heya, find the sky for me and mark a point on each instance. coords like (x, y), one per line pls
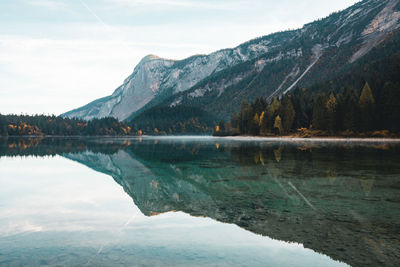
(57, 55)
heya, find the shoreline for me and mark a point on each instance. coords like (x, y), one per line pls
(312, 139)
(235, 138)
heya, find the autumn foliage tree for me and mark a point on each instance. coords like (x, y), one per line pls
(331, 105)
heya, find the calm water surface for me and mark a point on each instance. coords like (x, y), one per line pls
(198, 202)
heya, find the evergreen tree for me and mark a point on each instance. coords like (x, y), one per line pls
(235, 121)
(390, 107)
(3, 126)
(245, 118)
(348, 111)
(259, 105)
(319, 113)
(300, 102)
(288, 114)
(274, 107)
(367, 109)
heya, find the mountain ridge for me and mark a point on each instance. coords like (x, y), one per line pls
(166, 78)
(267, 66)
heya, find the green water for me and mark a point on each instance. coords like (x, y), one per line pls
(198, 201)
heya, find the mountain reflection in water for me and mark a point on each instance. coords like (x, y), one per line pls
(340, 199)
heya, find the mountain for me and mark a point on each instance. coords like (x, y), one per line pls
(157, 78)
(268, 66)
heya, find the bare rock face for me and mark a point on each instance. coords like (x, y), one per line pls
(268, 66)
(154, 76)
(386, 21)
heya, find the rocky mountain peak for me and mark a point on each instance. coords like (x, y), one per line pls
(269, 66)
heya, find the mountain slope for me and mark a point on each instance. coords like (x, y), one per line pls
(327, 51)
(268, 66)
(156, 77)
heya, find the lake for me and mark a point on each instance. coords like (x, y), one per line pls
(198, 201)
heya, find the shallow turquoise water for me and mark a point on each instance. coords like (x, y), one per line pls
(198, 201)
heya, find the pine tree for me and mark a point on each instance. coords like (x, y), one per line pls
(274, 107)
(288, 114)
(367, 109)
(301, 120)
(3, 126)
(245, 118)
(259, 105)
(331, 106)
(390, 107)
(348, 111)
(319, 113)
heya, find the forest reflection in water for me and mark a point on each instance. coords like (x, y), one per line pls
(340, 199)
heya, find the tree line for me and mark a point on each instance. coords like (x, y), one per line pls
(348, 112)
(180, 119)
(39, 125)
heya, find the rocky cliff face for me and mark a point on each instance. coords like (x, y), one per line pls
(268, 66)
(156, 77)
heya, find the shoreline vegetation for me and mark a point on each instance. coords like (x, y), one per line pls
(316, 134)
(299, 114)
(226, 137)
(45, 125)
(311, 136)
(308, 114)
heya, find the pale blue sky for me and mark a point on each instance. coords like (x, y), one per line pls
(56, 55)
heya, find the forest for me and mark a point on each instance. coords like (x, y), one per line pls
(44, 125)
(184, 120)
(314, 113)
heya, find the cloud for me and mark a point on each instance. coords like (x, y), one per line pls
(51, 4)
(177, 3)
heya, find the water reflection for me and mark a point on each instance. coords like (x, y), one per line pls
(339, 199)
